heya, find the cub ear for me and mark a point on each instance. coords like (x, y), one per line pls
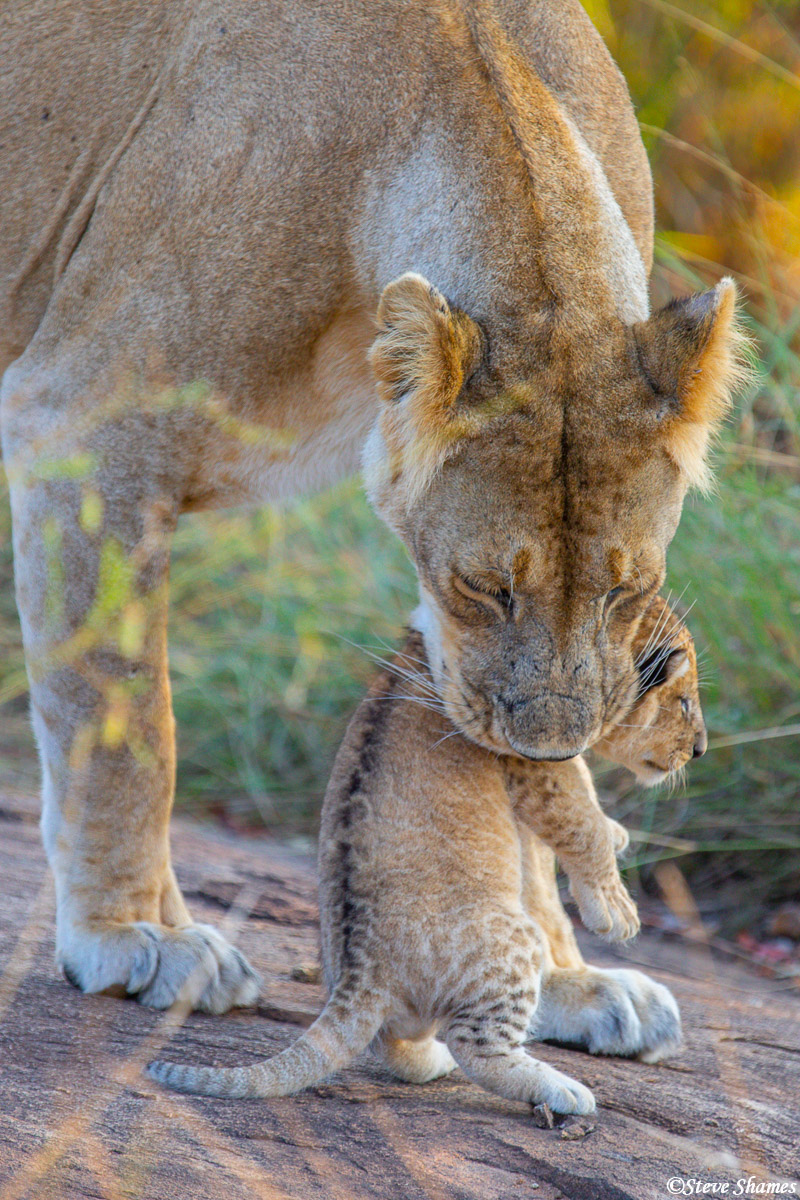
(425, 351)
(660, 666)
(694, 354)
(676, 664)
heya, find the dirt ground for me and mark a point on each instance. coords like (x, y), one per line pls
(79, 1120)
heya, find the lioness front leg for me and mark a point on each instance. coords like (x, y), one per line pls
(91, 540)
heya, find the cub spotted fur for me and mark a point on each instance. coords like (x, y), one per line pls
(428, 950)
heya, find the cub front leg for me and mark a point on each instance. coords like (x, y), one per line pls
(558, 803)
(603, 901)
(541, 899)
(92, 521)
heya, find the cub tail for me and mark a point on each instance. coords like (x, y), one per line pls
(345, 1027)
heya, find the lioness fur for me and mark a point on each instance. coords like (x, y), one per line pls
(429, 950)
(210, 214)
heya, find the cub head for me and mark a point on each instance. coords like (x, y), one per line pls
(665, 727)
(536, 472)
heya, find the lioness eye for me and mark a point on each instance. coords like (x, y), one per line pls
(684, 706)
(489, 595)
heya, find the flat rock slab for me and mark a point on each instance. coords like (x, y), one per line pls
(78, 1119)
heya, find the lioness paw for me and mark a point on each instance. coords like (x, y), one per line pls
(620, 1012)
(606, 908)
(158, 965)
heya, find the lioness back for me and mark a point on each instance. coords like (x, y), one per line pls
(223, 82)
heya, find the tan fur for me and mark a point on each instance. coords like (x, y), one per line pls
(432, 928)
(620, 1012)
(424, 936)
(558, 803)
(658, 735)
(202, 207)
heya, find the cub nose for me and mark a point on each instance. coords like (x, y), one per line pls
(700, 746)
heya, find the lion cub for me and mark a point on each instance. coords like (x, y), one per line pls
(424, 932)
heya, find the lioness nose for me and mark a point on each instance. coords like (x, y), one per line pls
(700, 746)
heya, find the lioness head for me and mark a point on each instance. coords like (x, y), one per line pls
(537, 490)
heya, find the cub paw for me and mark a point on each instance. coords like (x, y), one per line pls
(158, 965)
(656, 1010)
(561, 1093)
(619, 836)
(606, 908)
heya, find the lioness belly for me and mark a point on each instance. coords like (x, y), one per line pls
(307, 435)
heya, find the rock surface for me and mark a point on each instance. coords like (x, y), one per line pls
(79, 1120)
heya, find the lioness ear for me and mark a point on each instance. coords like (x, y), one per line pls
(424, 352)
(423, 355)
(693, 355)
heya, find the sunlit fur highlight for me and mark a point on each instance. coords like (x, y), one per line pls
(426, 351)
(708, 384)
(587, 247)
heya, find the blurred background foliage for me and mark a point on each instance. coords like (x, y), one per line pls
(277, 615)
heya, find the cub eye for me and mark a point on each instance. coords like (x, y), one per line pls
(684, 706)
(611, 597)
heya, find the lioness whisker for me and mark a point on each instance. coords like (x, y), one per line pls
(412, 700)
(668, 611)
(452, 733)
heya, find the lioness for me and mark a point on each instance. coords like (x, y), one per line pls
(205, 208)
(430, 950)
